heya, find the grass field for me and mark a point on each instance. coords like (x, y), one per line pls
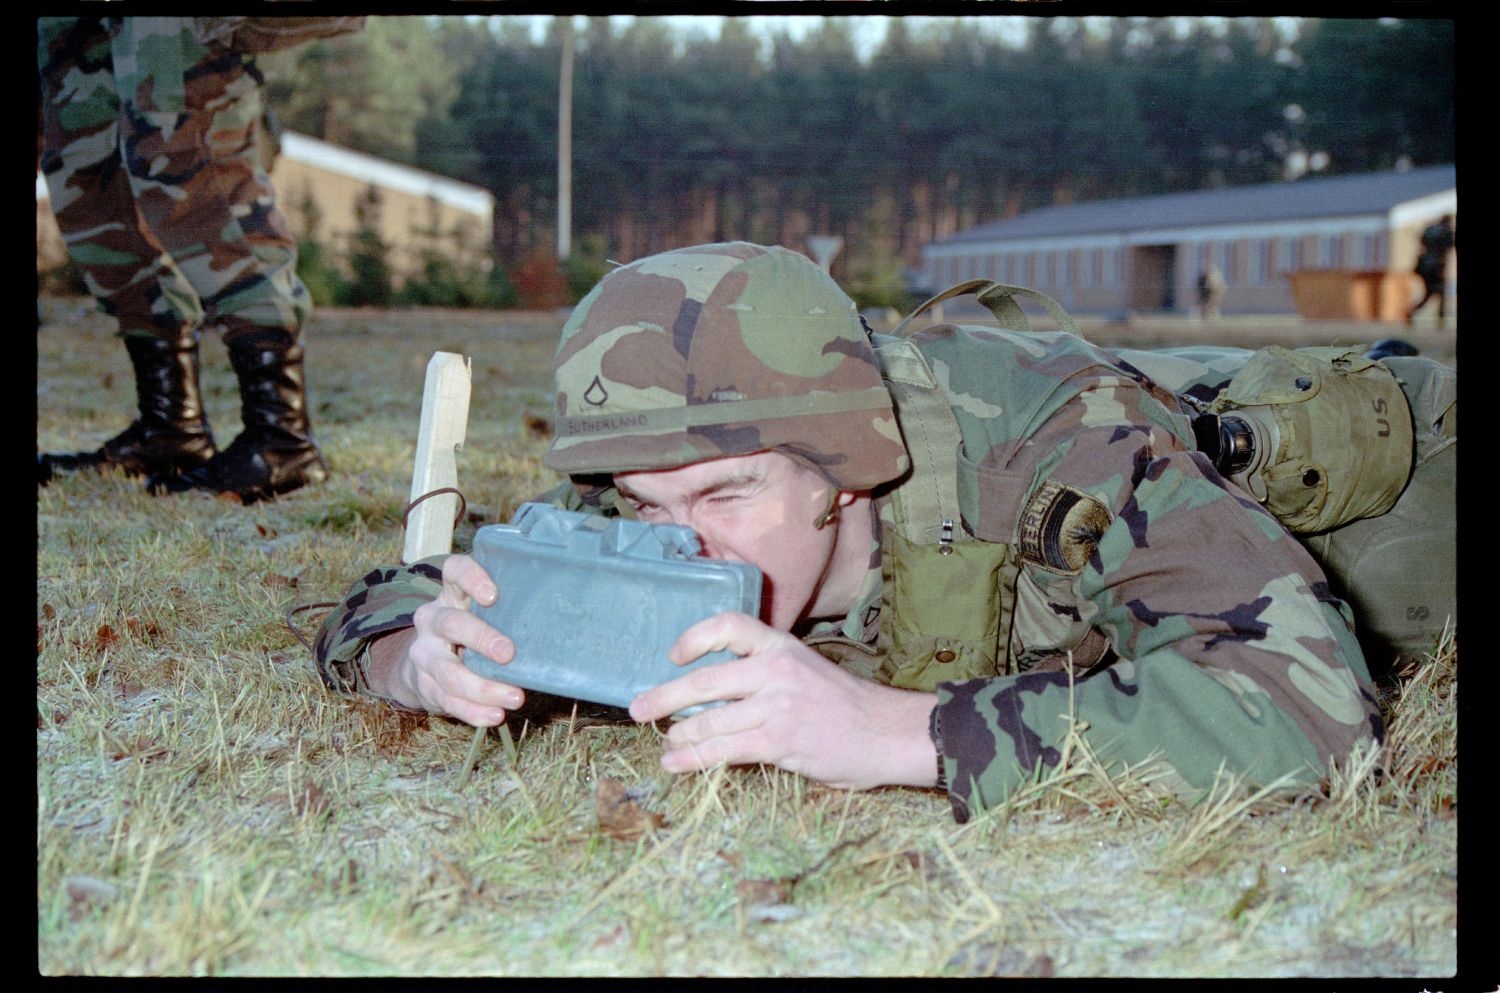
(205, 808)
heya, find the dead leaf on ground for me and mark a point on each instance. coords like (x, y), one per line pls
(86, 893)
(919, 861)
(396, 727)
(264, 531)
(143, 630)
(141, 749)
(767, 901)
(276, 581)
(309, 801)
(105, 638)
(125, 689)
(763, 892)
(229, 496)
(620, 816)
(282, 658)
(539, 427)
(346, 879)
(618, 935)
(48, 612)
(312, 801)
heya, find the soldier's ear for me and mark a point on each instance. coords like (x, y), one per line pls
(837, 501)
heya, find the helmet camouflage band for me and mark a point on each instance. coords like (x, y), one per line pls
(721, 350)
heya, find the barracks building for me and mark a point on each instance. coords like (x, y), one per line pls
(1328, 247)
(323, 189)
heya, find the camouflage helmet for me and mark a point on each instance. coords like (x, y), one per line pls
(720, 350)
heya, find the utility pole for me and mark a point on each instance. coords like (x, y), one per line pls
(565, 143)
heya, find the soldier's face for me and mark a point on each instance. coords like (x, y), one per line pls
(761, 509)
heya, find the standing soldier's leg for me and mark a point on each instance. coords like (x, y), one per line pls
(191, 139)
(126, 268)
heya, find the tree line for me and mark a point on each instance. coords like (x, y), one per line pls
(687, 138)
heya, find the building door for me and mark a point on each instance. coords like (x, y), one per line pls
(1152, 272)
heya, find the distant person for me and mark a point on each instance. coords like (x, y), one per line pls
(149, 148)
(1432, 265)
(1210, 291)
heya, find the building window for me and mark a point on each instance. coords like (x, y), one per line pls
(1330, 251)
(1371, 251)
(1291, 254)
(1262, 261)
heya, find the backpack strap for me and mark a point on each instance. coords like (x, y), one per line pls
(1000, 298)
(946, 597)
(926, 507)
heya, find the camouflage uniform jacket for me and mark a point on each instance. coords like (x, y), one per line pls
(1173, 618)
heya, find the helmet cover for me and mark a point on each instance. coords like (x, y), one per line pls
(720, 350)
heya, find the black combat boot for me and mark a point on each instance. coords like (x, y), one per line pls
(275, 453)
(170, 435)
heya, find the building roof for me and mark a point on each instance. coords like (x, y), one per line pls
(1331, 196)
(391, 175)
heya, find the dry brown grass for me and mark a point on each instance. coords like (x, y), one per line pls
(205, 808)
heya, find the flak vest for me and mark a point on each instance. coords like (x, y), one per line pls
(948, 595)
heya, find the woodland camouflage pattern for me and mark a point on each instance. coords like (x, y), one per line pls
(1224, 644)
(749, 349)
(1201, 633)
(176, 236)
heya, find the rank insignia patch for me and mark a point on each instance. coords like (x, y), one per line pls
(1060, 528)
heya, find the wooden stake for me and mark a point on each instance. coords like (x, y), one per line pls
(445, 419)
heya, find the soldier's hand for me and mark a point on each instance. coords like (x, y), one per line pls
(791, 708)
(420, 667)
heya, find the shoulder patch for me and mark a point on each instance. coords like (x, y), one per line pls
(1060, 528)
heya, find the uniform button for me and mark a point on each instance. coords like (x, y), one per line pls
(945, 655)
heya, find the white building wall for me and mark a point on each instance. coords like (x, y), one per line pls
(1255, 259)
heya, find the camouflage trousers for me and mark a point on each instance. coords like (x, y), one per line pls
(149, 151)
